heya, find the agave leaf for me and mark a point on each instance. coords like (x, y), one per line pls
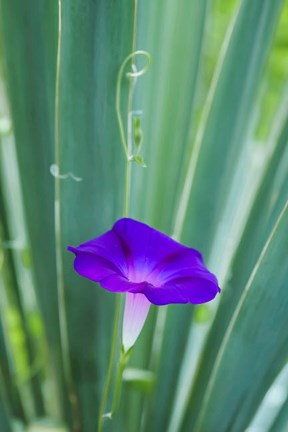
(222, 132)
(176, 53)
(5, 418)
(280, 423)
(95, 41)
(29, 69)
(176, 63)
(9, 395)
(271, 196)
(21, 290)
(269, 408)
(260, 316)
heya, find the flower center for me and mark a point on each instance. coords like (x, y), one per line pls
(140, 274)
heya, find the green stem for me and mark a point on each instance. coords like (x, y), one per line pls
(127, 188)
(133, 75)
(127, 148)
(124, 358)
(110, 366)
(127, 143)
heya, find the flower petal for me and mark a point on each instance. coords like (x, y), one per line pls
(106, 246)
(147, 250)
(100, 270)
(185, 263)
(92, 266)
(135, 313)
(118, 283)
(193, 290)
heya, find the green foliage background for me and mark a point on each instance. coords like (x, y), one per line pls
(215, 127)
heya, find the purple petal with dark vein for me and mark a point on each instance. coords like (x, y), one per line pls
(185, 290)
(148, 250)
(185, 263)
(101, 270)
(92, 266)
(118, 283)
(164, 295)
(107, 246)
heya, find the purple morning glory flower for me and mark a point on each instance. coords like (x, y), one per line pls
(147, 265)
(136, 258)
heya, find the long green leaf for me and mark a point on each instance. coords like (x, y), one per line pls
(245, 344)
(281, 421)
(221, 136)
(270, 199)
(5, 419)
(9, 394)
(176, 63)
(167, 127)
(29, 70)
(96, 38)
(223, 155)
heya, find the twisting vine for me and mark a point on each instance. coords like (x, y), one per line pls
(126, 143)
(130, 156)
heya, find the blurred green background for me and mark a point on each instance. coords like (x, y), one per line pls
(215, 125)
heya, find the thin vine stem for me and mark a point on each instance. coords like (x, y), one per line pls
(126, 144)
(127, 150)
(124, 358)
(127, 188)
(134, 75)
(110, 366)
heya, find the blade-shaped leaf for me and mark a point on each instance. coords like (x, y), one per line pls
(221, 134)
(281, 421)
(270, 199)
(101, 34)
(29, 70)
(174, 39)
(261, 315)
(176, 53)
